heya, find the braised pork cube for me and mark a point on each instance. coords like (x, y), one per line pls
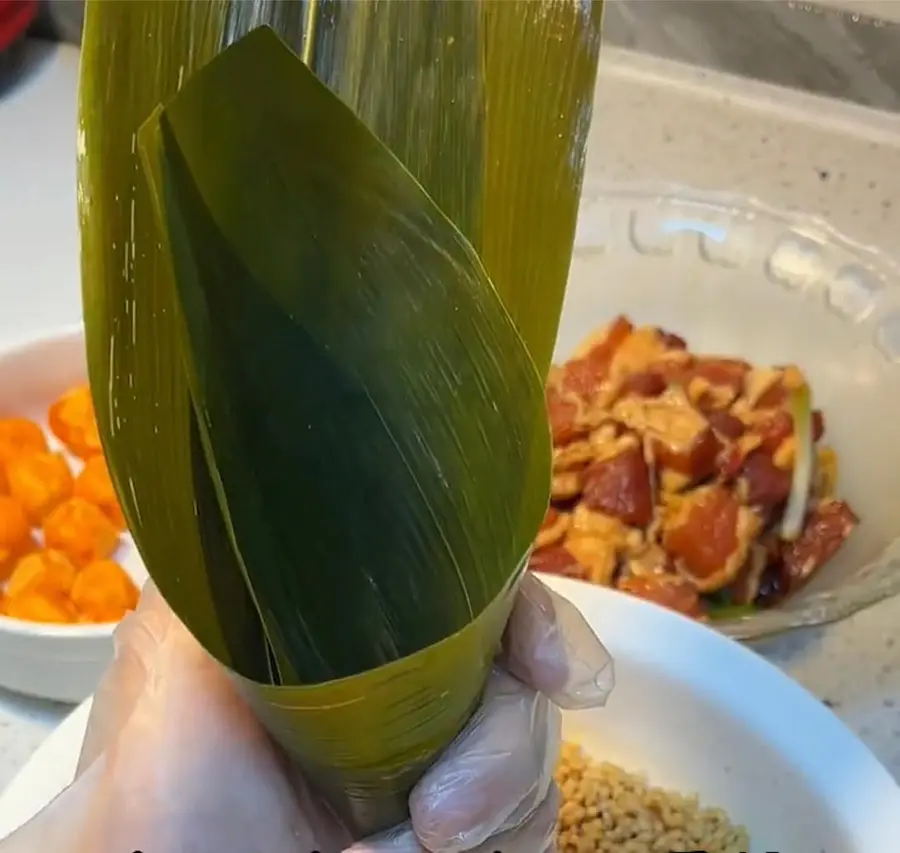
(716, 382)
(709, 534)
(827, 527)
(564, 410)
(768, 387)
(680, 437)
(591, 364)
(619, 484)
(597, 555)
(645, 383)
(669, 591)
(589, 522)
(774, 428)
(556, 560)
(637, 354)
(762, 483)
(648, 559)
(566, 485)
(574, 455)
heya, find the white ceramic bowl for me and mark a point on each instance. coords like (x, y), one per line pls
(735, 278)
(697, 712)
(58, 662)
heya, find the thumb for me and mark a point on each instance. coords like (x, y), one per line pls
(549, 646)
(135, 641)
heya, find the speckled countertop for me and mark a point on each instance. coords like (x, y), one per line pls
(654, 121)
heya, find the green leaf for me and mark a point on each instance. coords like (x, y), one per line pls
(718, 612)
(540, 72)
(414, 74)
(430, 81)
(488, 104)
(140, 396)
(365, 401)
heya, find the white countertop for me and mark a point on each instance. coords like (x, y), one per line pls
(39, 272)
(653, 121)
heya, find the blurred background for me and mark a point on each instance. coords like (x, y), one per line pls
(841, 48)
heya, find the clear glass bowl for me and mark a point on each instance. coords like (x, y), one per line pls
(735, 277)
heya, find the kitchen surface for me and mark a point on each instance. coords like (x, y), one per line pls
(655, 120)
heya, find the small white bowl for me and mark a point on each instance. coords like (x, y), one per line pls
(59, 662)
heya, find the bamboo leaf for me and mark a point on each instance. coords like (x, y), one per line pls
(365, 400)
(414, 74)
(429, 80)
(488, 104)
(143, 409)
(540, 81)
(313, 271)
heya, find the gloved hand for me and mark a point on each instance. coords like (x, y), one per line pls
(174, 761)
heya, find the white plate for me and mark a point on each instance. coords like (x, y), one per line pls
(695, 710)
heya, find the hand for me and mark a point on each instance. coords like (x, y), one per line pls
(173, 760)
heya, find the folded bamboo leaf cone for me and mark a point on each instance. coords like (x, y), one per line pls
(326, 430)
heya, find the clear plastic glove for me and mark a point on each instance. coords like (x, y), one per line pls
(174, 761)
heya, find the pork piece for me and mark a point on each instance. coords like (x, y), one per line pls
(596, 554)
(637, 353)
(709, 534)
(773, 428)
(588, 522)
(725, 424)
(768, 387)
(619, 484)
(553, 529)
(716, 382)
(648, 560)
(563, 410)
(762, 483)
(827, 527)
(591, 365)
(669, 591)
(680, 437)
(731, 458)
(600, 443)
(675, 367)
(556, 560)
(574, 455)
(759, 382)
(671, 482)
(598, 541)
(671, 340)
(644, 383)
(722, 372)
(566, 485)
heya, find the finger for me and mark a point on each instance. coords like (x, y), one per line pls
(61, 824)
(398, 839)
(549, 645)
(494, 774)
(136, 641)
(535, 835)
(190, 770)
